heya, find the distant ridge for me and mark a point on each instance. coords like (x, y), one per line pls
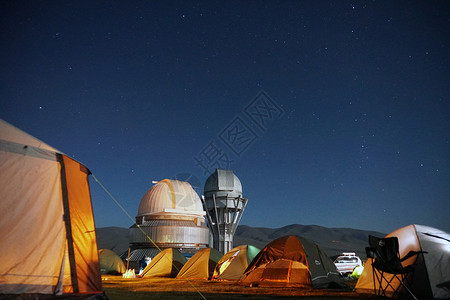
(113, 238)
(331, 240)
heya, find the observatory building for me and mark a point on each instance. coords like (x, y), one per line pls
(224, 207)
(172, 216)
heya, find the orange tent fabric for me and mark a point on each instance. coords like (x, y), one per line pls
(292, 261)
(47, 228)
(281, 263)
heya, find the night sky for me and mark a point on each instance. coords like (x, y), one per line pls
(334, 113)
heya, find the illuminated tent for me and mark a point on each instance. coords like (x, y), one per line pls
(110, 262)
(47, 231)
(201, 265)
(294, 262)
(431, 278)
(166, 264)
(233, 264)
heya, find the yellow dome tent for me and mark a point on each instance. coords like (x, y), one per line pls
(233, 264)
(201, 265)
(166, 264)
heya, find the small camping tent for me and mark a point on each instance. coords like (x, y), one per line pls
(292, 261)
(47, 231)
(110, 262)
(201, 265)
(233, 264)
(166, 264)
(431, 278)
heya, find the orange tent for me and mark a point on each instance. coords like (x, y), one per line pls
(47, 231)
(294, 262)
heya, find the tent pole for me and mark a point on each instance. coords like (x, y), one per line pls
(128, 258)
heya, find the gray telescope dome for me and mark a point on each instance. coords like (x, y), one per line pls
(222, 183)
(224, 206)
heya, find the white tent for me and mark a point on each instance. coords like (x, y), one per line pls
(432, 272)
(47, 231)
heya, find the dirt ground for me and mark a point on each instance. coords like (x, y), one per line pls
(117, 288)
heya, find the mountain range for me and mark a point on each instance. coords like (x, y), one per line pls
(332, 241)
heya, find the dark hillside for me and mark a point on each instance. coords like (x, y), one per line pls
(113, 238)
(331, 240)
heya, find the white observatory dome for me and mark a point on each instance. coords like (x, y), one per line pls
(170, 215)
(170, 197)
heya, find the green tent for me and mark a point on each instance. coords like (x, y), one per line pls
(234, 262)
(201, 265)
(110, 262)
(166, 264)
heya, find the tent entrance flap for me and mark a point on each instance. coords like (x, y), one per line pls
(66, 216)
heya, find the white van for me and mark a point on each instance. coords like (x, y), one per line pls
(346, 262)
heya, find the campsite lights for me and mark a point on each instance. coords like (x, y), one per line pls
(130, 273)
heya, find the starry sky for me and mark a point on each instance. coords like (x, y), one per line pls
(333, 113)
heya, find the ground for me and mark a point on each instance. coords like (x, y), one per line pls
(117, 288)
